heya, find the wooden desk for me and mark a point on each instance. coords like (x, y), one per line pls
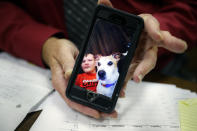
(152, 77)
(155, 77)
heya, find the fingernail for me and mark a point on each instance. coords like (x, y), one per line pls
(140, 78)
(68, 73)
(160, 36)
(122, 94)
(185, 44)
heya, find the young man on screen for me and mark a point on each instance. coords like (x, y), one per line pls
(88, 79)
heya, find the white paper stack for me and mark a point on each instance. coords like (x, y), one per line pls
(146, 107)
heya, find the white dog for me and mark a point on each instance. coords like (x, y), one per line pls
(107, 73)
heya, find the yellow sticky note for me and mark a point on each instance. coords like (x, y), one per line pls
(188, 114)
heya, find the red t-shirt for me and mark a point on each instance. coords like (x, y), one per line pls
(87, 81)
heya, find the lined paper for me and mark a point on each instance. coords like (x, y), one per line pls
(188, 114)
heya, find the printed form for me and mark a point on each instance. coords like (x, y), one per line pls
(146, 107)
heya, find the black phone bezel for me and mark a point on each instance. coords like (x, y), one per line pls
(103, 103)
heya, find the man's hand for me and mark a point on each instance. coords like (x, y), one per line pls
(146, 53)
(60, 55)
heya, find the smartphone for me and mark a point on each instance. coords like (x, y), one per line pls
(104, 58)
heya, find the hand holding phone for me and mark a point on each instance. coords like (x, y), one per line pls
(102, 64)
(142, 64)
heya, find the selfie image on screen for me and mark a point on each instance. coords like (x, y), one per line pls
(104, 58)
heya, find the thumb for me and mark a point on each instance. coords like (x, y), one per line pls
(67, 62)
(68, 73)
(67, 56)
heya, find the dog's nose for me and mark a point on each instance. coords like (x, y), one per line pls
(101, 74)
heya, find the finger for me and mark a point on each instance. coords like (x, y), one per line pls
(145, 43)
(130, 72)
(114, 114)
(67, 60)
(146, 65)
(172, 43)
(105, 2)
(152, 27)
(58, 80)
(67, 63)
(122, 93)
(129, 75)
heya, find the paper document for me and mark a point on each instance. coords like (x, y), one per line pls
(188, 114)
(22, 86)
(146, 107)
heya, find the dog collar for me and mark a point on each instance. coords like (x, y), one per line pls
(108, 85)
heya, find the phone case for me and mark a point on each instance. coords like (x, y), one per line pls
(90, 98)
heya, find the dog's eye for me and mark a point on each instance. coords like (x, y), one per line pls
(99, 63)
(110, 63)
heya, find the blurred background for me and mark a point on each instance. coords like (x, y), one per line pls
(183, 66)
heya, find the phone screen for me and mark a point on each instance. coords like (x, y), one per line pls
(104, 57)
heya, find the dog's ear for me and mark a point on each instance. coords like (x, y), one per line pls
(97, 57)
(116, 55)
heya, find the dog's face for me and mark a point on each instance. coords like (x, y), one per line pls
(107, 67)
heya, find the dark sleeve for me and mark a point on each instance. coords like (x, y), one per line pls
(180, 19)
(21, 35)
(177, 17)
